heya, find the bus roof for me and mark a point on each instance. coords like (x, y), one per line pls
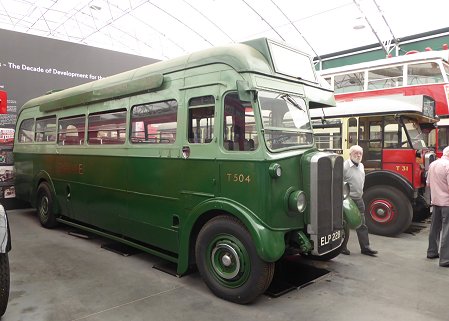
(251, 56)
(419, 56)
(392, 104)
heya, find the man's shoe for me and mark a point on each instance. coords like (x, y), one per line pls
(345, 252)
(433, 256)
(369, 251)
(444, 265)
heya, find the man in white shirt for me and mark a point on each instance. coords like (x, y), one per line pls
(438, 180)
(354, 174)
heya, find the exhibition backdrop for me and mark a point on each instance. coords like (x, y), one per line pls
(31, 65)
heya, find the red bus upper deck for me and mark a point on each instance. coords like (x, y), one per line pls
(416, 73)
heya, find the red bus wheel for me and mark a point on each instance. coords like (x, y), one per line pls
(388, 211)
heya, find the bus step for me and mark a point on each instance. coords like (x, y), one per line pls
(120, 248)
(167, 267)
(293, 273)
(82, 234)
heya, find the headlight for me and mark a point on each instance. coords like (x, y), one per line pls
(297, 201)
(275, 170)
(346, 190)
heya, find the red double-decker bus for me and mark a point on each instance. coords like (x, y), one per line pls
(395, 155)
(416, 73)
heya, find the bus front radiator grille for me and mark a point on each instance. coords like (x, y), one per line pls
(326, 199)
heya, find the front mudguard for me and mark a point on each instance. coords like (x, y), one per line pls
(351, 213)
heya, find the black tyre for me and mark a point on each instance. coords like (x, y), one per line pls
(4, 282)
(228, 261)
(388, 211)
(421, 211)
(45, 211)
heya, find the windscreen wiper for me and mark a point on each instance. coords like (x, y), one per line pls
(288, 98)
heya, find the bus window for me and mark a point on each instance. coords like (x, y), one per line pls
(414, 132)
(349, 82)
(285, 121)
(393, 135)
(352, 132)
(201, 119)
(371, 144)
(446, 70)
(239, 125)
(154, 123)
(430, 137)
(328, 134)
(385, 77)
(71, 130)
(46, 129)
(107, 128)
(443, 138)
(424, 73)
(26, 132)
(375, 134)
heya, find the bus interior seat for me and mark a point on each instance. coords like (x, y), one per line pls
(228, 145)
(251, 144)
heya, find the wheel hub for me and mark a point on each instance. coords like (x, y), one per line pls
(43, 210)
(225, 261)
(382, 211)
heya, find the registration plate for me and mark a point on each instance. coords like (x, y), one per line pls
(329, 242)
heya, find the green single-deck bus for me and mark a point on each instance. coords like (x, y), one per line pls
(206, 159)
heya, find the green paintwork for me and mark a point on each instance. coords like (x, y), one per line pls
(351, 213)
(149, 196)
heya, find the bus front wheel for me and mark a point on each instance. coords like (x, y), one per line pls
(4, 282)
(228, 262)
(47, 216)
(388, 211)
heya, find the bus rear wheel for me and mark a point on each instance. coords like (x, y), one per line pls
(45, 211)
(228, 261)
(388, 211)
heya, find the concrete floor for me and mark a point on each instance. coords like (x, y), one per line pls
(57, 277)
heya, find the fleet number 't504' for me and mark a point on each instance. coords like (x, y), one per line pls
(238, 178)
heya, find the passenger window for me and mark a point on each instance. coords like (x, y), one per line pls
(107, 128)
(328, 134)
(352, 132)
(201, 119)
(154, 123)
(71, 130)
(26, 132)
(385, 77)
(392, 133)
(349, 82)
(239, 125)
(46, 129)
(424, 73)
